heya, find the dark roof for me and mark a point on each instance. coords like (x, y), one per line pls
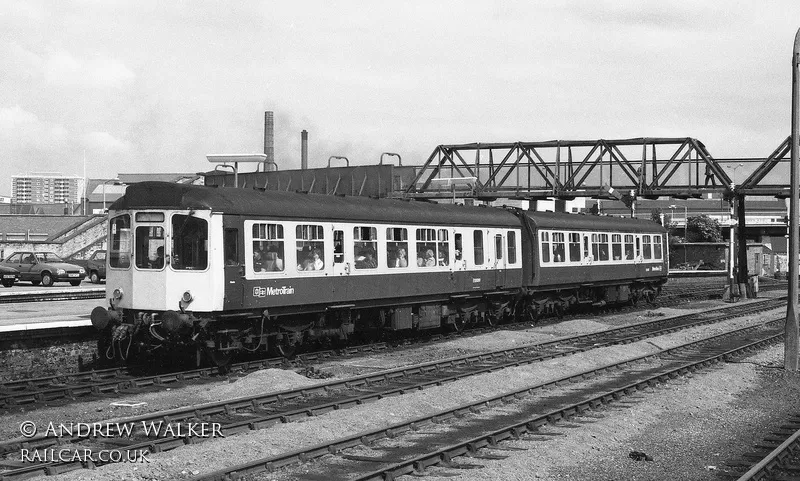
(551, 220)
(290, 205)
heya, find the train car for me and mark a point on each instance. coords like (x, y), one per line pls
(222, 270)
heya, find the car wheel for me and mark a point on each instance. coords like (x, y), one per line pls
(8, 283)
(95, 277)
(47, 279)
(75, 283)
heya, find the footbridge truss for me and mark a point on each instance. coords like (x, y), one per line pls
(646, 167)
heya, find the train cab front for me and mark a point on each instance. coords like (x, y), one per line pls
(159, 282)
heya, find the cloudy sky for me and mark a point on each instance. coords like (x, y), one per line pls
(151, 86)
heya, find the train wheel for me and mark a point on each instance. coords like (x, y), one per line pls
(457, 324)
(219, 358)
(558, 308)
(650, 297)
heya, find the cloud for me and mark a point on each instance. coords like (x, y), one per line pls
(61, 68)
(105, 142)
(58, 67)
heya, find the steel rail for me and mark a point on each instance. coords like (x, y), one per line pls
(66, 387)
(271, 463)
(204, 411)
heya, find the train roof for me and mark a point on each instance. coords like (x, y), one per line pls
(560, 221)
(292, 205)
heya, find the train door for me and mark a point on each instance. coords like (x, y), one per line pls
(499, 260)
(341, 252)
(234, 265)
(587, 250)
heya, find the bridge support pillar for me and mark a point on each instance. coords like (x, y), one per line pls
(742, 277)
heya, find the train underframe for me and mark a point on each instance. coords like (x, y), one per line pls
(217, 338)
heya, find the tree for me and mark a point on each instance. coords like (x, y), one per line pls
(657, 216)
(702, 228)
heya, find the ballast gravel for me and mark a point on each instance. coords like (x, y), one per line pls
(689, 428)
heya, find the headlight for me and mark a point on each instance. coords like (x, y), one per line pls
(60, 272)
(187, 297)
(117, 294)
(82, 271)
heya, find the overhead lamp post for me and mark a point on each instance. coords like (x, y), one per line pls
(114, 182)
(236, 158)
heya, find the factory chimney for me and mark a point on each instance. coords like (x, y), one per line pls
(269, 139)
(304, 150)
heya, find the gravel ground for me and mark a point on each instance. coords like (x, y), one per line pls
(690, 428)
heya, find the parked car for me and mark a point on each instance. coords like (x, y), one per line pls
(95, 265)
(44, 267)
(8, 276)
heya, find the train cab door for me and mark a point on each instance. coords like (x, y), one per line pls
(234, 264)
(499, 260)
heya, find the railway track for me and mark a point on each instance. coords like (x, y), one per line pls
(471, 431)
(778, 455)
(62, 389)
(256, 412)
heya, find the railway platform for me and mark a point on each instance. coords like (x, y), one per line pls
(60, 312)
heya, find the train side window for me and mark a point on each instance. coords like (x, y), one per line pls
(574, 247)
(477, 244)
(231, 242)
(603, 247)
(559, 251)
(459, 250)
(268, 253)
(426, 248)
(396, 247)
(512, 247)
(657, 253)
(119, 249)
(616, 247)
(647, 251)
(545, 247)
(498, 247)
(338, 246)
(629, 252)
(310, 248)
(189, 242)
(365, 246)
(638, 246)
(149, 250)
(596, 247)
(443, 248)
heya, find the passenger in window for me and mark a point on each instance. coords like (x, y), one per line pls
(368, 261)
(273, 262)
(258, 260)
(158, 262)
(313, 262)
(400, 259)
(430, 258)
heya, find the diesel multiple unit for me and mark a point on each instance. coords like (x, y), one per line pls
(227, 270)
